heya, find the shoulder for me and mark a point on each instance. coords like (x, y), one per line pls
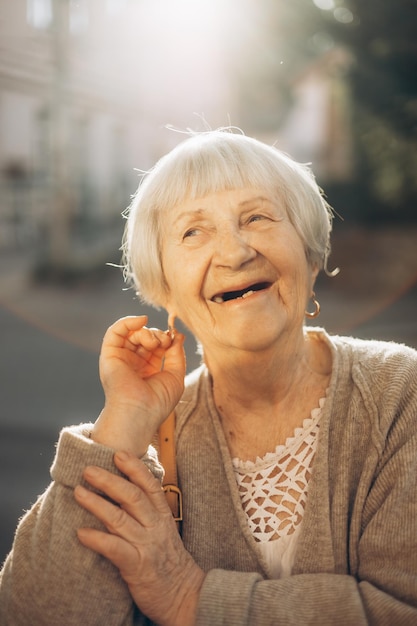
(385, 375)
(376, 358)
(369, 355)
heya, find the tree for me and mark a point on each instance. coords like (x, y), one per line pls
(381, 36)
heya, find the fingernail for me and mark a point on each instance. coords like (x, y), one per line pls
(80, 491)
(91, 471)
(122, 455)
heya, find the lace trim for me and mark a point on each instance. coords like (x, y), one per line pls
(273, 489)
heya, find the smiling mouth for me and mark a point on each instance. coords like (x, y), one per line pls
(241, 293)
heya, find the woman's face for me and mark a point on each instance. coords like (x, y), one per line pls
(236, 270)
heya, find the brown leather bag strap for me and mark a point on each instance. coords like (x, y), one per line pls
(166, 444)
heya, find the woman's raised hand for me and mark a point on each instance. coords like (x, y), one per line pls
(142, 372)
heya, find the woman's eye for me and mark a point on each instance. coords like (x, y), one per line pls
(256, 218)
(191, 232)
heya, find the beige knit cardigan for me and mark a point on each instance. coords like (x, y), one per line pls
(356, 562)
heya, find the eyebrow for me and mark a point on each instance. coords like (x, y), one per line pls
(202, 211)
(253, 201)
(193, 213)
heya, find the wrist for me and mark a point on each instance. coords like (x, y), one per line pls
(187, 612)
(120, 428)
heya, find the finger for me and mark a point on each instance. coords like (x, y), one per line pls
(137, 502)
(119, 332)
(164, 338)
(149, 338)
(119, 551)
(153, 356)
(115, 518)
(142, 477)
(150, 344)
(170, 362)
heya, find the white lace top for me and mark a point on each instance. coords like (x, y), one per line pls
(274, 494)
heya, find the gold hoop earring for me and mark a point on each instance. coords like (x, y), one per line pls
(316, 311)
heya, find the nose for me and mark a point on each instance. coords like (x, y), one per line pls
(232, 249)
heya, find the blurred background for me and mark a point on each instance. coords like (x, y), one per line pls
(91, 91)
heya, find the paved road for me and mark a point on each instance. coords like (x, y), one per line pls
(47, 382)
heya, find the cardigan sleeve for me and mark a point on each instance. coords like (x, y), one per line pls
(49, 577)
(236, 599)
(239, 599)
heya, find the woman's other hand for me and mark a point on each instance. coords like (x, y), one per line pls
(142, 372)
(142, 541)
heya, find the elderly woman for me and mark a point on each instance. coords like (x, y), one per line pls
(296, 451)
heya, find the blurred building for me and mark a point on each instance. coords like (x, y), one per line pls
(84, 85)
(71, 129)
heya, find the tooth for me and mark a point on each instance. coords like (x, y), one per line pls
(218, 299)
(248, 293)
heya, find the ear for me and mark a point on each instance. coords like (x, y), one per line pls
(165, 301)
(314, 273)
(170, 307)
(171, 321)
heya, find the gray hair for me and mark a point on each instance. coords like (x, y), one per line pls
(206, 163)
